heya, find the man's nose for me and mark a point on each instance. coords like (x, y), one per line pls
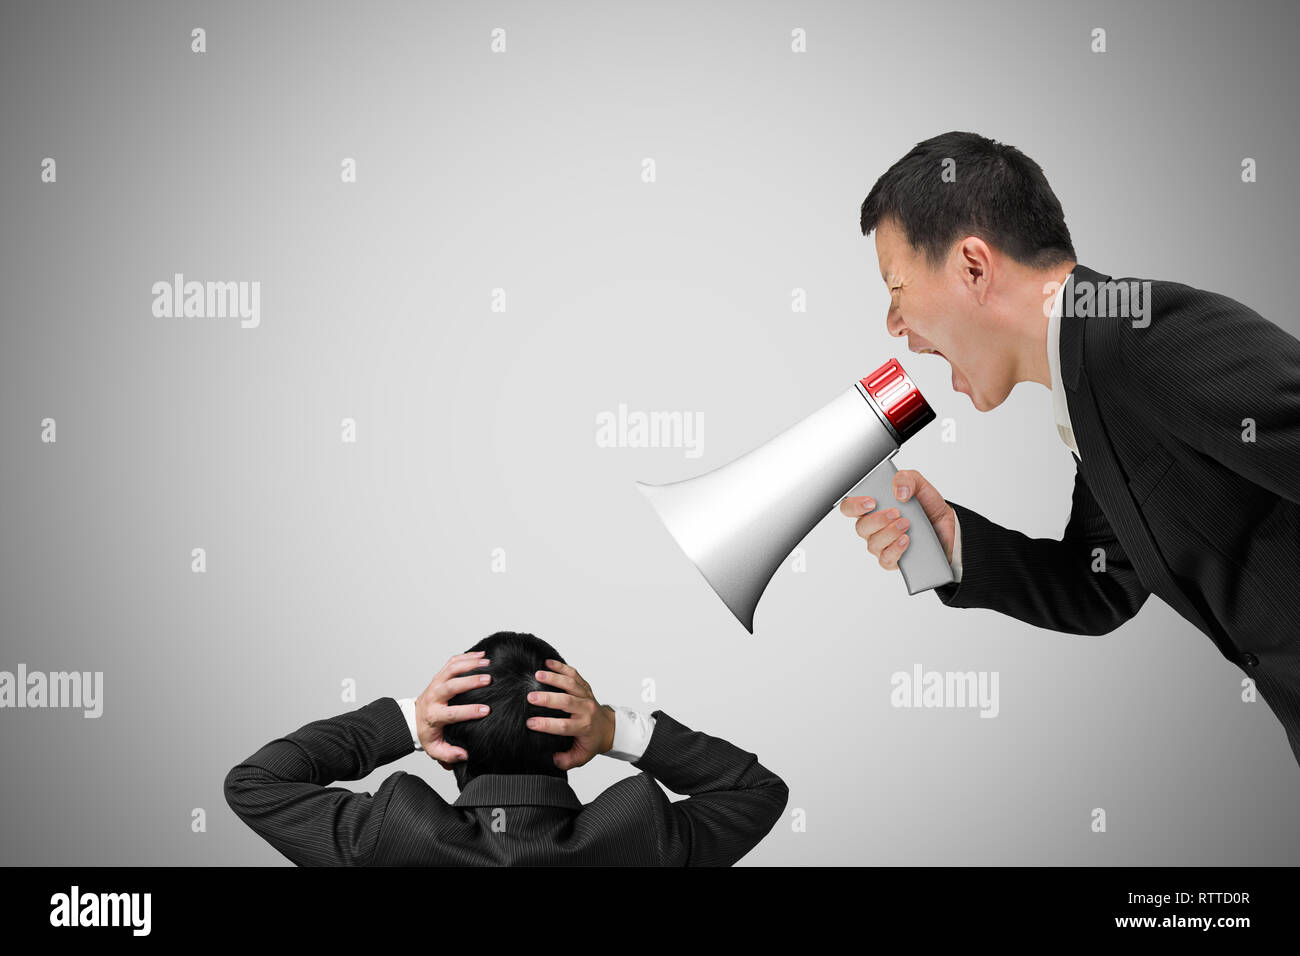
(894, 324)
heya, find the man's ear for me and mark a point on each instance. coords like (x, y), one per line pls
(975, 259)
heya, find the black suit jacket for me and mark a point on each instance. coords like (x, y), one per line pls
(1179, 503)
(283, 793)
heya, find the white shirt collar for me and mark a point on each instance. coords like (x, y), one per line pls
(1060, 406)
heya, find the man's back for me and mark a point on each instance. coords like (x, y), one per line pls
(1188, 483)
(501, 819)
(1201, 408)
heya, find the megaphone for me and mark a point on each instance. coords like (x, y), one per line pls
(738, 522)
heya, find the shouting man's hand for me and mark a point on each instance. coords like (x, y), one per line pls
(885, 530)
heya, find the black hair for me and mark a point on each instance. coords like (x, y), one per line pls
(502, 742)
(998, 194)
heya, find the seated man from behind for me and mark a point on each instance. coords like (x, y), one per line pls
(509, 718)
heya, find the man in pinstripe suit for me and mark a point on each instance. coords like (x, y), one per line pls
(1181, 409)
(510, 718)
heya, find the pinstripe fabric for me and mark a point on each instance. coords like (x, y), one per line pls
(283, 793)
(1182, 506)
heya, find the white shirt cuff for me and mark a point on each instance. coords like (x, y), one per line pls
(956, 549)
(632, 732)
(408, 711)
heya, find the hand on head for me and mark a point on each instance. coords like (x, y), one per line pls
(590, 724)
(433, 713)
(574, 712)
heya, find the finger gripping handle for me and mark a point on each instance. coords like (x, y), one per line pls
(924, 564)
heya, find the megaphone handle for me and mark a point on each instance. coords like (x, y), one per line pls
(924, 564)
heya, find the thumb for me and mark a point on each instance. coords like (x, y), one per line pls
(911, 484)
(565, 760)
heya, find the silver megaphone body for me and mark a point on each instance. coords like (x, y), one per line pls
(739, 522)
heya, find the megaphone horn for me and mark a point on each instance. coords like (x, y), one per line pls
(738, 522)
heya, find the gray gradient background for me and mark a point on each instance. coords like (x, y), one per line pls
(476, 430)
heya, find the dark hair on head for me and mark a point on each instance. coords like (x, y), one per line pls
(998, 194)
(502, 742)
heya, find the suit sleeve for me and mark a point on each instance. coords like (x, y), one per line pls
(733, 801)
(1045, 582)
(1204, 367)
(283, 791)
